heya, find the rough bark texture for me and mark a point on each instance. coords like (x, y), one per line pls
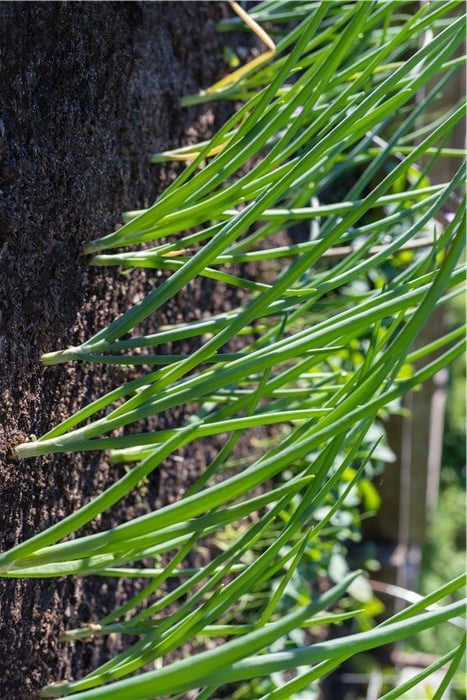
(88, 90)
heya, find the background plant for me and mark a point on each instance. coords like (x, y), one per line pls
(321, 347)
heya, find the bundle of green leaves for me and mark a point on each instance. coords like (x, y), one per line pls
(335, 107)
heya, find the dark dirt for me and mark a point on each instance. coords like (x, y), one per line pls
(88, 90)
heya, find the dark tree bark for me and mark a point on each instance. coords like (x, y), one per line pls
(88, 91)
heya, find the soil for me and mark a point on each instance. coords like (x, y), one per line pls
(88, 91)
